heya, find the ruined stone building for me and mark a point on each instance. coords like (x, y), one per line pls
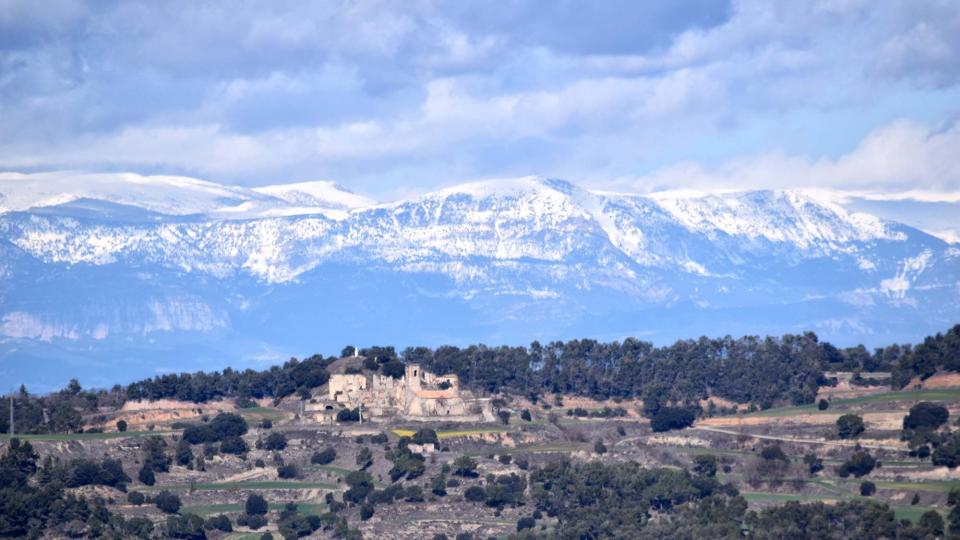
(418, 395)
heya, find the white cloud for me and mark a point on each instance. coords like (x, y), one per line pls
(903, 156)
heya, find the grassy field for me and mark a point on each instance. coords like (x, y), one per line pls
(902, 512)
(936, 394)
(227, 486)
(937, 486)
(208, 509)
(452, 433)
(84, 436)
(263, 413)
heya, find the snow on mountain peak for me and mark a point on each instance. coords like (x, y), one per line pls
(172, 195)
(321, 193)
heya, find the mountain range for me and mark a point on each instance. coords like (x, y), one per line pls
(106, 277)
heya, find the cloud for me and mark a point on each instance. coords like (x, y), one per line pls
(386, 97)
(903, 156)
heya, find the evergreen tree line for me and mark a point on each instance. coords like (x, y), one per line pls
(762, 371)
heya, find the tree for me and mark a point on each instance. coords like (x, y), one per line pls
(813, 463)
(669, 418)
(364, 458)
(823, 404)
(366, 512)
(705, 465)
(465, 466)
(146, 475)
(121, 425)
(361, 484)
(256, 505)
(849, 426)
(438, 485)
(184, 453)
(525, 416)
(859, 464)
(135, 498)
(425, 436)
(324, 457)
(475, 494)
(504, 416)
(526, 522)
(867, 488)
(599, 447)
(288, 471)
(932, 522)
(233, 445)
(167, 502)
(393, 368)
(219, 523)
(926, 415)
(275, 441)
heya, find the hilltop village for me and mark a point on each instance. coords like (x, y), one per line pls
(417, 396)
(375, 444)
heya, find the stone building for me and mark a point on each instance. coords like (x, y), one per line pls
(418, 395)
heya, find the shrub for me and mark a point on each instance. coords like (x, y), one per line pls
(475, 494)
(167, 502)
(121, 425)
(705, 465)
(526, 522)
(859, 464)
(136, 498)
(288, 471)
(932, 523)
(425, 436)
(275, 441)
(867, 488)
(253, 521)
(599, 447)
(218, 523)
(348, 415)
(256, 505)
(668, 418)
(366, 512)
(465, 466)
(849, 426)
(324, 457)
(188, 526)
(926, 415)
(146, 475)
(233, 445)
(823, 404)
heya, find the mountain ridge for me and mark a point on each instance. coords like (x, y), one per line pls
(508, 260)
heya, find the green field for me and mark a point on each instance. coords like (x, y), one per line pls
(207, 509)
(84, 436)
(902, 512)
(937, 394)
(263, 413)
(227, 486)
(451, 433)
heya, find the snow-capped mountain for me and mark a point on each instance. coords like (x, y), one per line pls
(175, 273)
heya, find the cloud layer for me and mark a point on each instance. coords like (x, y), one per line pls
(395, 97)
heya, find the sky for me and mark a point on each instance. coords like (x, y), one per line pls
(395, 98)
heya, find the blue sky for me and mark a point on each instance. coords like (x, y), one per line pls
(393, 98)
